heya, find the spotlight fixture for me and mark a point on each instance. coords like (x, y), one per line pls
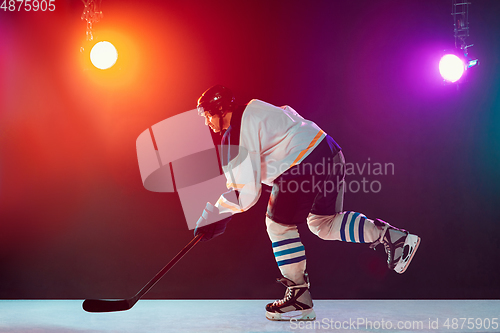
(103, 55)
(454, 66)
(451, 67)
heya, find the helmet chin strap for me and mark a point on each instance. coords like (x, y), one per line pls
(221, 122)
(220, 126)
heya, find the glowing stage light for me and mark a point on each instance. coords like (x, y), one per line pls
(103, 55)
(451, 67)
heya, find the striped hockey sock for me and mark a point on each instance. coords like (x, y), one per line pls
(345, 226)
(288, 250)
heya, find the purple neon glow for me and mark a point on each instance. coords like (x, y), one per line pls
(451, 67)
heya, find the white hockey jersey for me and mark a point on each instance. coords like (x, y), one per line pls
(272, 140)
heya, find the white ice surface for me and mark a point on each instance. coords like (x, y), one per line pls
(221, 316)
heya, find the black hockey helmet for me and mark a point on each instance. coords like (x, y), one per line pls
(216, 100)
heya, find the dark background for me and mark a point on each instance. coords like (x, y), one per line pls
(76, 222)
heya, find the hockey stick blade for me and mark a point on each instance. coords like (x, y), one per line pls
(106, 305)
(112, 305)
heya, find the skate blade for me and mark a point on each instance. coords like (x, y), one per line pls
(300, 315)
(413, 241)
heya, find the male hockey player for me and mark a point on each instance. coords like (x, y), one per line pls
(305, 168)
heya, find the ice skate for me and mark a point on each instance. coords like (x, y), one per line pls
(399, 245)
(297, 303)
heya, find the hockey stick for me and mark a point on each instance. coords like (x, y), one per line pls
(110, 305)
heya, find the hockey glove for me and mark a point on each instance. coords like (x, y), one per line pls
(211, 224)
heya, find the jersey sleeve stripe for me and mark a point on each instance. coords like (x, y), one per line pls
(235, 186)
(233, 207)
(312, 144)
